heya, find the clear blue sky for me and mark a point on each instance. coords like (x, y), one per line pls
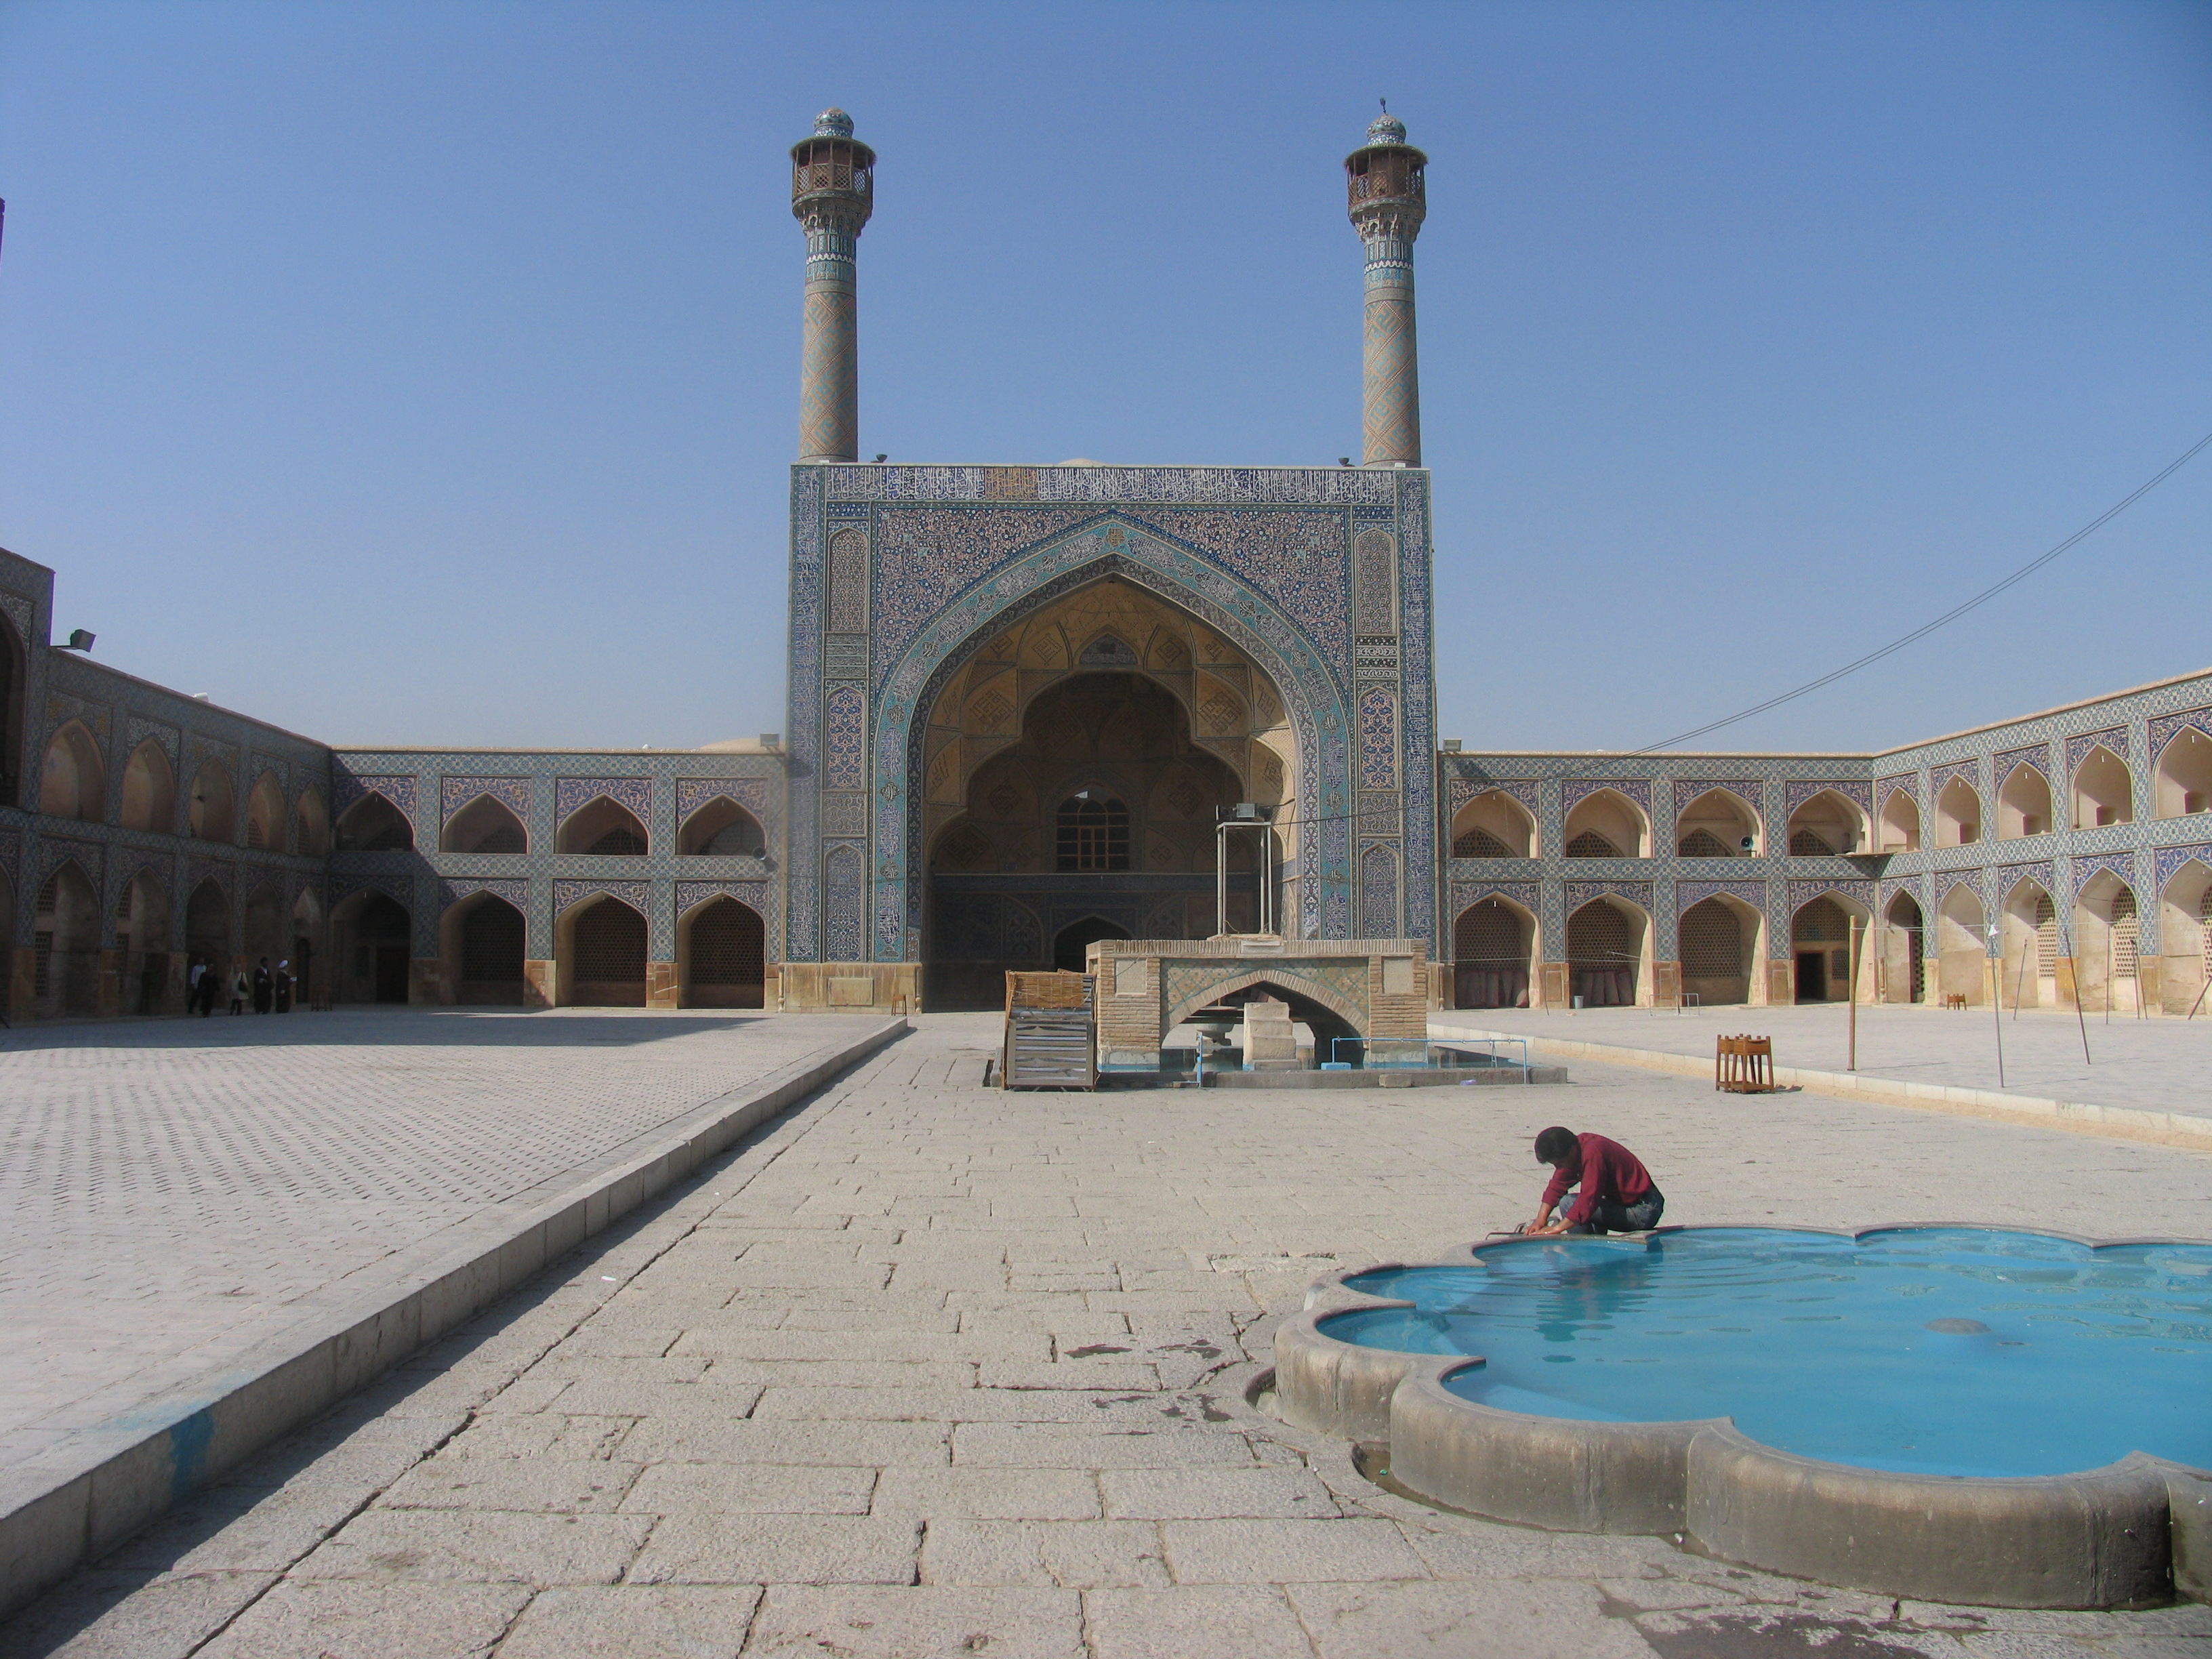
(422, 373)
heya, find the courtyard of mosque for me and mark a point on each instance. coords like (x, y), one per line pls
(927, 1368)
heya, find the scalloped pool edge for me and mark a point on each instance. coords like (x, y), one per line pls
(2133, 1533)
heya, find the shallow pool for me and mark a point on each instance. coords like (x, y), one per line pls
(1936, 1351)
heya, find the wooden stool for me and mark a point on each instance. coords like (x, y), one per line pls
(1743, 1065)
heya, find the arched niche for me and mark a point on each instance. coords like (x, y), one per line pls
(265, 928)
(1820, 947)
(2024, 804)
(211, 807)
(309, 960)
(142, 941)
(1607, 824)
(2186, 937)
(1493, 825)
(1962, 950)
(1717, 824)
(264, 814)
(2104, 790)
(603, 828)
(1901, 823)
(1958, 814)
(65, 945)
(2027, 940)
(600, 954)
(721, 828)
(2183, 784)
(372, 942)
(1718, 939)
(721, 954)
(73, 782)
(1609, 953)
(311, 823)
(1829, 824)
(207, 923)
(486, 824)
(1071, 943)
(374, 825)
(1493, 954)
(1904, 951)
(149, 791)
(481, 945)
(2107, 943)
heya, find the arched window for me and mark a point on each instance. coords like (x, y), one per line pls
(486, 824)
(1093, 834)
(74, 783)
(209, 815)
(721, 828)
(264, 814)
(373, 824)
(1591, 845)
(604, 828)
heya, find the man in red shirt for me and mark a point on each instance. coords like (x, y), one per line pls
(1617, 1192)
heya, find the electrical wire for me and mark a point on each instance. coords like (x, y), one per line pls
(1948, 617)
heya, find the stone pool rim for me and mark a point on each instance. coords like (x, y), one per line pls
(2133, 1532)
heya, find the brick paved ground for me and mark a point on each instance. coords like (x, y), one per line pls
(930, 1369)
(176, 1189)
(2158, 1065)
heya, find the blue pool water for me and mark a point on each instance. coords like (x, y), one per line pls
(1936, 1351)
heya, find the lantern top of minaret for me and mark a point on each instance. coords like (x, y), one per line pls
(832, 171)
(1385, 175)
(833, 123)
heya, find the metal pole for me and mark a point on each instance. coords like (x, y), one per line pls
(1852, 1065)
(1268, 878)
(1997, 997)
(2019, 980)
(1221, 878)
(2080, 1019)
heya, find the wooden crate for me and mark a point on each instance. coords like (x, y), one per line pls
(1052, 1039)
(1054, 990)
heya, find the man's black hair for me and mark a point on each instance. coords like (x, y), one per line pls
(1555, 1144)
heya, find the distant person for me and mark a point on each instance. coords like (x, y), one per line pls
(265, 988)
(1616, 1193)
(238, 992)
(192, 984)
(284, 985)
(211, 983)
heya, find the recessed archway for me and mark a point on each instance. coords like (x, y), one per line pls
(1901, 823)
(1071, 944)
(1607, 824)
(1608, 952)
(264, 929)
(2027, 936)
(604, 828)
(2024, 804)
(1958, 814)
(312, 823)
(2107, 939)
(1718, 939)
(149, 791)
(211, 811)
(374, 938)
(1493, 955)
(65, 945)
(1717, 824)
(73, 783)
(264, 814)
(600, 954)
(1821, 946)
(480, 939)
(373, 824)
(721, 952)
(2104, 790)
(486, 824)
(207, 923)
(2186, 935)
(142, 941)
(721, 828)
(2184, 782)
(1904, 951)
(1962, 953)
(1829, 824)
(1493, 825)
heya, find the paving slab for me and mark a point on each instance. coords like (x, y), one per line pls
(961, 1468)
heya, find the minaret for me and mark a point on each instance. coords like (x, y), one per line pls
(833, 191)
(1388, 203)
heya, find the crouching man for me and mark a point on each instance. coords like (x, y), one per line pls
(1617, 1193)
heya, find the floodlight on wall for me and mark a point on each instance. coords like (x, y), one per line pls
(80, 638)
(1451, 746)
(1344, 460)
(1747, 843)
(880, 459)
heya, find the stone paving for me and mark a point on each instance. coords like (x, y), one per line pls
(180, 1188)
(930, 1369)
(2160, 1064)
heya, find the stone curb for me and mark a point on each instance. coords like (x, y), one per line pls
(98, 1484)
(2119, 1122)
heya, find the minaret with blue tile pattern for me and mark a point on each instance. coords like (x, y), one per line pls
(1389, 201)
(832, 194)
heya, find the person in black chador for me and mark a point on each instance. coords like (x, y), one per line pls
(210, 988)
(265, 988)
